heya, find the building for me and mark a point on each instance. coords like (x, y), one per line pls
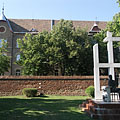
(12, 29)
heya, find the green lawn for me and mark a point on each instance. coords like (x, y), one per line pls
(42, 108)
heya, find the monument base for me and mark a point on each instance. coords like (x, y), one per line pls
(100, 110)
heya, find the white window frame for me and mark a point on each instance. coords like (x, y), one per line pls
(17, 44)
(18, 72)
(17, 57)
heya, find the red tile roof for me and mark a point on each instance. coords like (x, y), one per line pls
(25, 25)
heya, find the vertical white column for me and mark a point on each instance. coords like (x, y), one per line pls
(96, 71)
(110, 55)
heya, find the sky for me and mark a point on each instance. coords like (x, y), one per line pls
(88, 10)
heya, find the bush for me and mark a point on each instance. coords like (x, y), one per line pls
(90, 91)
(29, 92)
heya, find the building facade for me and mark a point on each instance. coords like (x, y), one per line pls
(12, 29)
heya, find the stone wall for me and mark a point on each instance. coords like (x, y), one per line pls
(52, 85)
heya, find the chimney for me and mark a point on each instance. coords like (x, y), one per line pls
(52, 24)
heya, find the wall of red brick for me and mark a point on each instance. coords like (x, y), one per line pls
(60, 85)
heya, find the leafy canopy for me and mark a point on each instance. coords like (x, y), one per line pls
(114, 27)
(67, 48)
(33, 54)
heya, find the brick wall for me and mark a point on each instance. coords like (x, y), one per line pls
(60, 85)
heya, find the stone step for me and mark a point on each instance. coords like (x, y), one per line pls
(104, 110)
(101, 110)
(105, 116)
(86, 107)
(108, 105)
(100, 104)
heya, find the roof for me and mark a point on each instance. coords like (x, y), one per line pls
(88, 25)
(26, 25)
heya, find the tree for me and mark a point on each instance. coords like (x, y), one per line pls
(114, 27)
(70, 49)
(67, 48)
(61, 46)
(118, 1)
(99, 37)
(33, 54)
(4, 59)
(85, 53)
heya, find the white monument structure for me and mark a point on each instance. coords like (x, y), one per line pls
(110, 65)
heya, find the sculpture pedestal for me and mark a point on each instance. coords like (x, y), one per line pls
(106, 93)
(102, 110)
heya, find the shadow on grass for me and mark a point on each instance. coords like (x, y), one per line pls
(40, 109)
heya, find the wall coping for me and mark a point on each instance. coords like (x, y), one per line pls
(50, 77)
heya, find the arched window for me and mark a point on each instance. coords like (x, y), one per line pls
(18, 72)
(17, 44)
(18, 57)
(56, 72)
(0, 43)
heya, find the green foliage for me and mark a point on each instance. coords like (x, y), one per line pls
(90, 91)
(4, 59)
(118, 1)
(4, 63)
(29, 92)
(67, 48)
(102, 46)
(33, 54)
(114, 27)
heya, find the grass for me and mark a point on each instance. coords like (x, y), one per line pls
(42, 108)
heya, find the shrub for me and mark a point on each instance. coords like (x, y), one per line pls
(29, 92)
(90, 91)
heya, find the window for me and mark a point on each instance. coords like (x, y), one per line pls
(18, 57)
(34, 30)
(119, 48)
(0, 43)
(18, 72)
(56, 72)
(2, 29)
(17, 44)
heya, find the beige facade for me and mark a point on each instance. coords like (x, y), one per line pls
(12, 29)
(8, 35)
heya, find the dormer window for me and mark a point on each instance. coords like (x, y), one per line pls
(34, 30)
(95, 29)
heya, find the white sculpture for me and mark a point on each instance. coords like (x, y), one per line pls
(106, 94)
(110, 65)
